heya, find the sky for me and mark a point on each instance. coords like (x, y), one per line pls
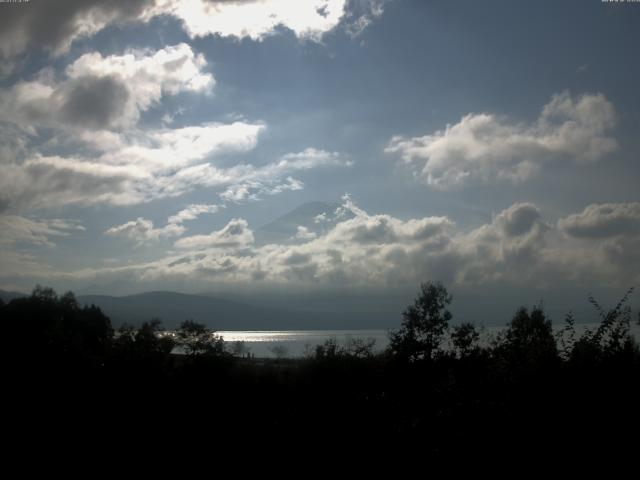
(489, 145)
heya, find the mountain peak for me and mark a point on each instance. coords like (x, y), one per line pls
(316, 217)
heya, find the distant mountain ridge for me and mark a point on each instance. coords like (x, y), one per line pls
(222, 314)
(173, 308)
(241, 312)
(7, 296)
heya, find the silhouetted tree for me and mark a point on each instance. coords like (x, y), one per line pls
(198, 340)
(239, 348)
(280, 351)
(328, 349)
(464, 338)
(424, 323)
(360, 347)
(51, 324)
(528, 341)
(611, 339)
(144, 342)
(567, 336)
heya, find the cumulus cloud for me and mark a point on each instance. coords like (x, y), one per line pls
(303, 233)
(53, 26)
(142, 231)
(362, 13)
(166, 150)
(609, 236)
(235, 234)
(517, 247)
(254, 19)
(599, 221)
(362, 249)
(123, 169)
(134, 173)
(253, 190)
(191, 213)
(105, 92)
(484, 148)
(511, 246)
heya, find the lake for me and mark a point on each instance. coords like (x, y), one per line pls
(296, 343)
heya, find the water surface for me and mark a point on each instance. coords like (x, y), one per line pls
(297, 343)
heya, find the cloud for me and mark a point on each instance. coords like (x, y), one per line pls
(142, 231)
(91, 101)
(516, 247)
(484, 148)
(519, 219)
(133, 173)
(235, 234)
(253, 190)
(15, 229)
(246, 181)
(364, 249)
(310, 158)
(254, 182)
(48, 182)
(122, 168)
(362, 13)
(379, 250)
(53, 26)
(511, 246)
(105, 92)
(303, 233)
(255, 19)
(191, 213)
(600, 221)
(603, 239)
